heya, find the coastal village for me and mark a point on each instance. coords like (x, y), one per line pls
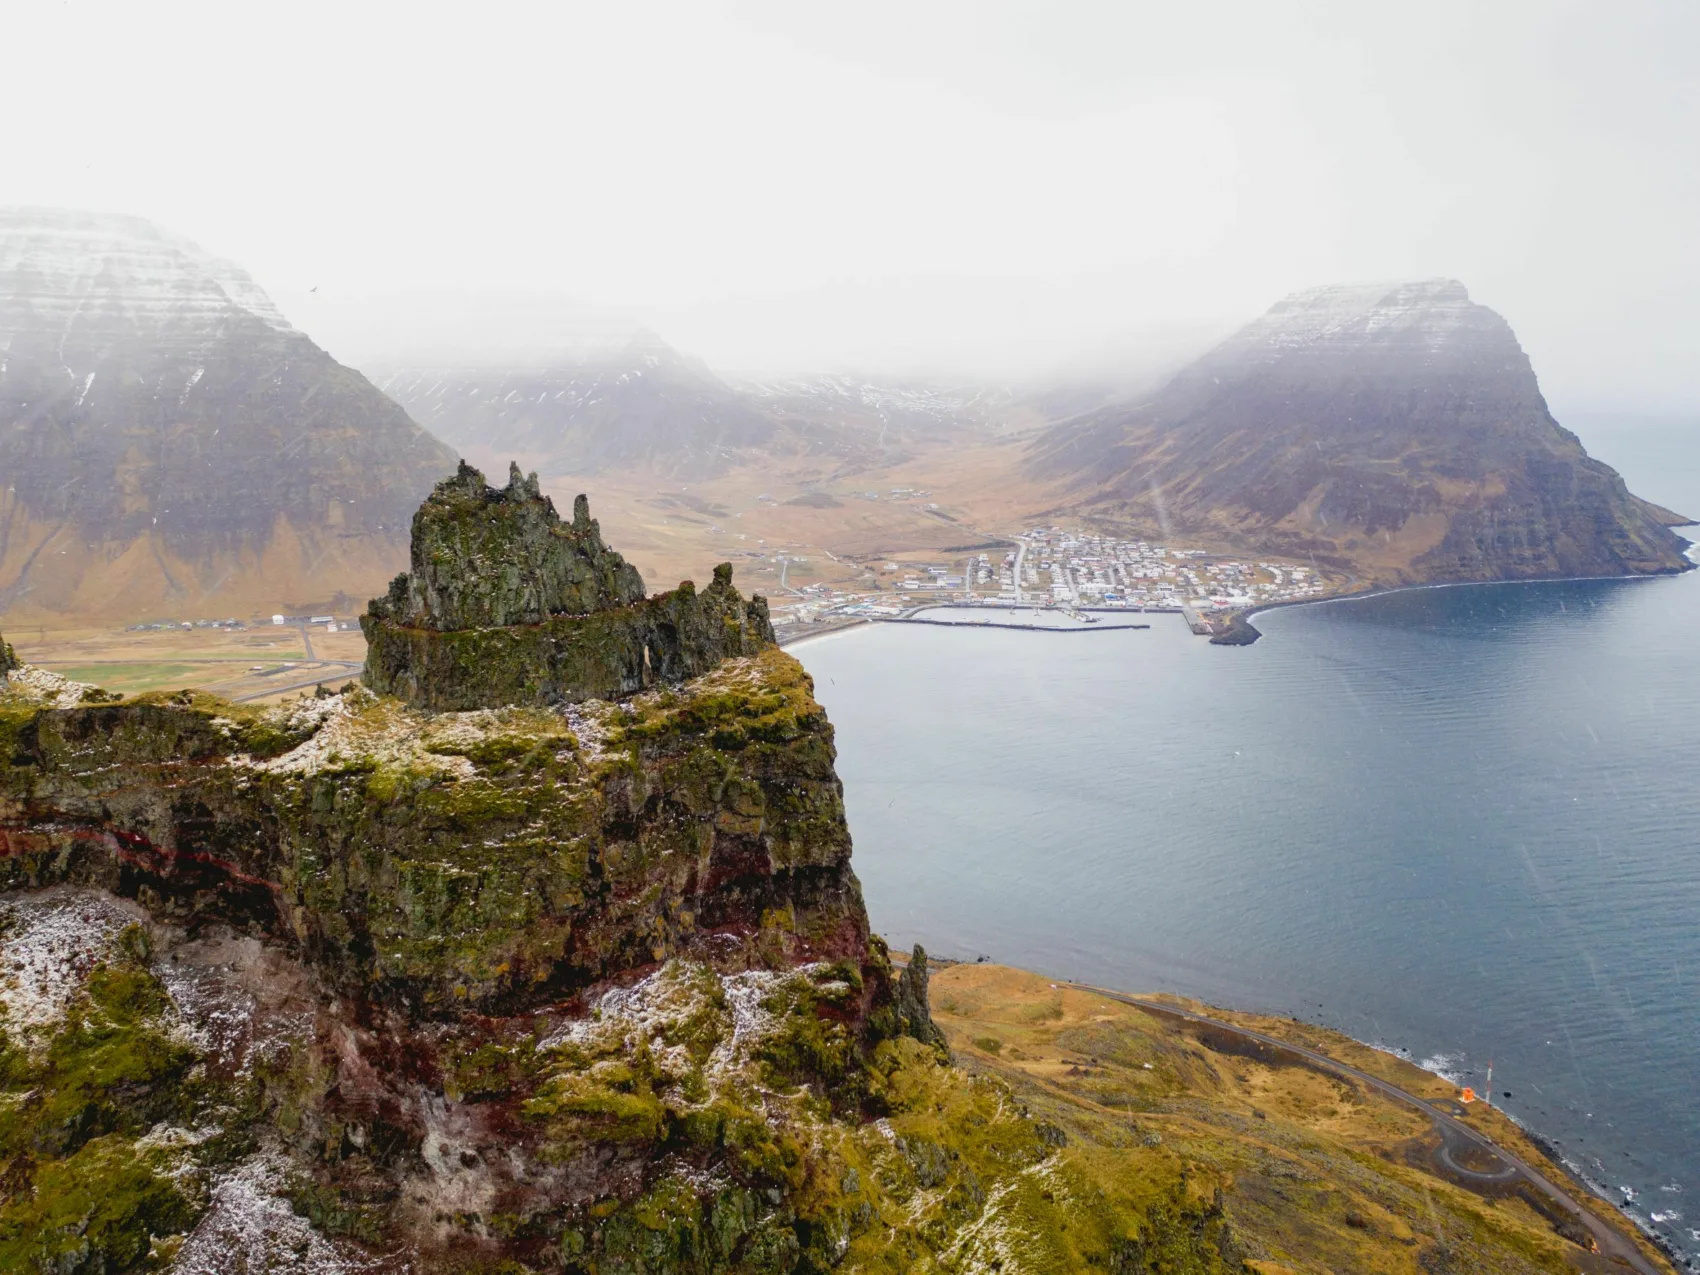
(1056, 569)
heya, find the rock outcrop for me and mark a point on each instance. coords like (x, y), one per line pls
(914, 1015)
(172, 445)
(349, 985)
(506, 989)
(8, 661)
(507, 604)
(1395, 431)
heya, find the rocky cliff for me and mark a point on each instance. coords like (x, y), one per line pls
(352, 985)
(1395, 430)
(171, 444)
(507, 604)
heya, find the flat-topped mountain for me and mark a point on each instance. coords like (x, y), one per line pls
(1397, 429)
(170, 442)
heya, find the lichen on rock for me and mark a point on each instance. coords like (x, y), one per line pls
(488, 558)
(507, 604)
(360, 983)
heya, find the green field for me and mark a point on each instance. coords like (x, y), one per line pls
(133, 676)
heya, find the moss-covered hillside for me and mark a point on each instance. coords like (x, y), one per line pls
(350, 986)
(1315, 1172)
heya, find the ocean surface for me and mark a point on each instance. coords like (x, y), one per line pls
(1463, 823)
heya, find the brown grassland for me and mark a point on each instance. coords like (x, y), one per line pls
(1322, 1174)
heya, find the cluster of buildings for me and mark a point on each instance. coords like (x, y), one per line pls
(330, 623)
(1077, 569)
(157, 625)
(1055, 567)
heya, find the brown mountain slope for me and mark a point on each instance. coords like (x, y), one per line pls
(171, 445)
(1394, 429)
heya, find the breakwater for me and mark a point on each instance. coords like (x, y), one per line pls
(1006, 624)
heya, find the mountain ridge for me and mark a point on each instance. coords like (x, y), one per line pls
(1396, 429)
(171, 440)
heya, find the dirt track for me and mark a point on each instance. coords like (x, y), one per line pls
(1456, 1136)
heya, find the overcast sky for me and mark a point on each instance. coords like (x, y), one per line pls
(983, 185)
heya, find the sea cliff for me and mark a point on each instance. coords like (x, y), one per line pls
(583, 982)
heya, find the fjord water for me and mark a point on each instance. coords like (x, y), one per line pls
(1461, 822)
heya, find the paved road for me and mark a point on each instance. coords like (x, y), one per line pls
(330, 671)
(1455, 1134)
(307, 640)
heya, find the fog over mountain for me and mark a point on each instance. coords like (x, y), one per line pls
(1395, 428)
(959, 188)
(169, 439)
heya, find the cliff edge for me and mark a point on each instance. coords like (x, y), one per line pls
(579, 982)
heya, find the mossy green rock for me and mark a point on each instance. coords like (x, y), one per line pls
(488, 558)
(507, 604)
(455, 860)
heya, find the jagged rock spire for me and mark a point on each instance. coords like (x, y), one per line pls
(914, 1014)
(508, 604)
(8, 661)
(485, 557)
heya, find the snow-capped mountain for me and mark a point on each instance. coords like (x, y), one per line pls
(167, 436)
(1397, 429)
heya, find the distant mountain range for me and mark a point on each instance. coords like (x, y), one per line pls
(1396, 430)
(171, 444)
(643, 405)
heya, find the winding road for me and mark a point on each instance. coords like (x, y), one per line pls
(1456, 1136)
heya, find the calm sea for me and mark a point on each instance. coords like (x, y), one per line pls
(1462, 823)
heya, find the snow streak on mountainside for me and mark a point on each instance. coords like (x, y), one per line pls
(168, 437)
(1395, 429)
(897, 414)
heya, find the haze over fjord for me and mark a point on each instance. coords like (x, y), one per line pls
(964, 188)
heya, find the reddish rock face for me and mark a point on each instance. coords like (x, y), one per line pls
(506, 964)
(458, 861)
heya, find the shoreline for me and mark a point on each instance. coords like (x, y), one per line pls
(1564, 1165)
(1560, 1171)
(797, 639)
(1246, 616)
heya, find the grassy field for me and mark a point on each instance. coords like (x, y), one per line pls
(131, 677)
(1324, 1174)
(221, 661)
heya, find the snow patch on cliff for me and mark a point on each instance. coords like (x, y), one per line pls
(49, 943)
(251, 1226)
